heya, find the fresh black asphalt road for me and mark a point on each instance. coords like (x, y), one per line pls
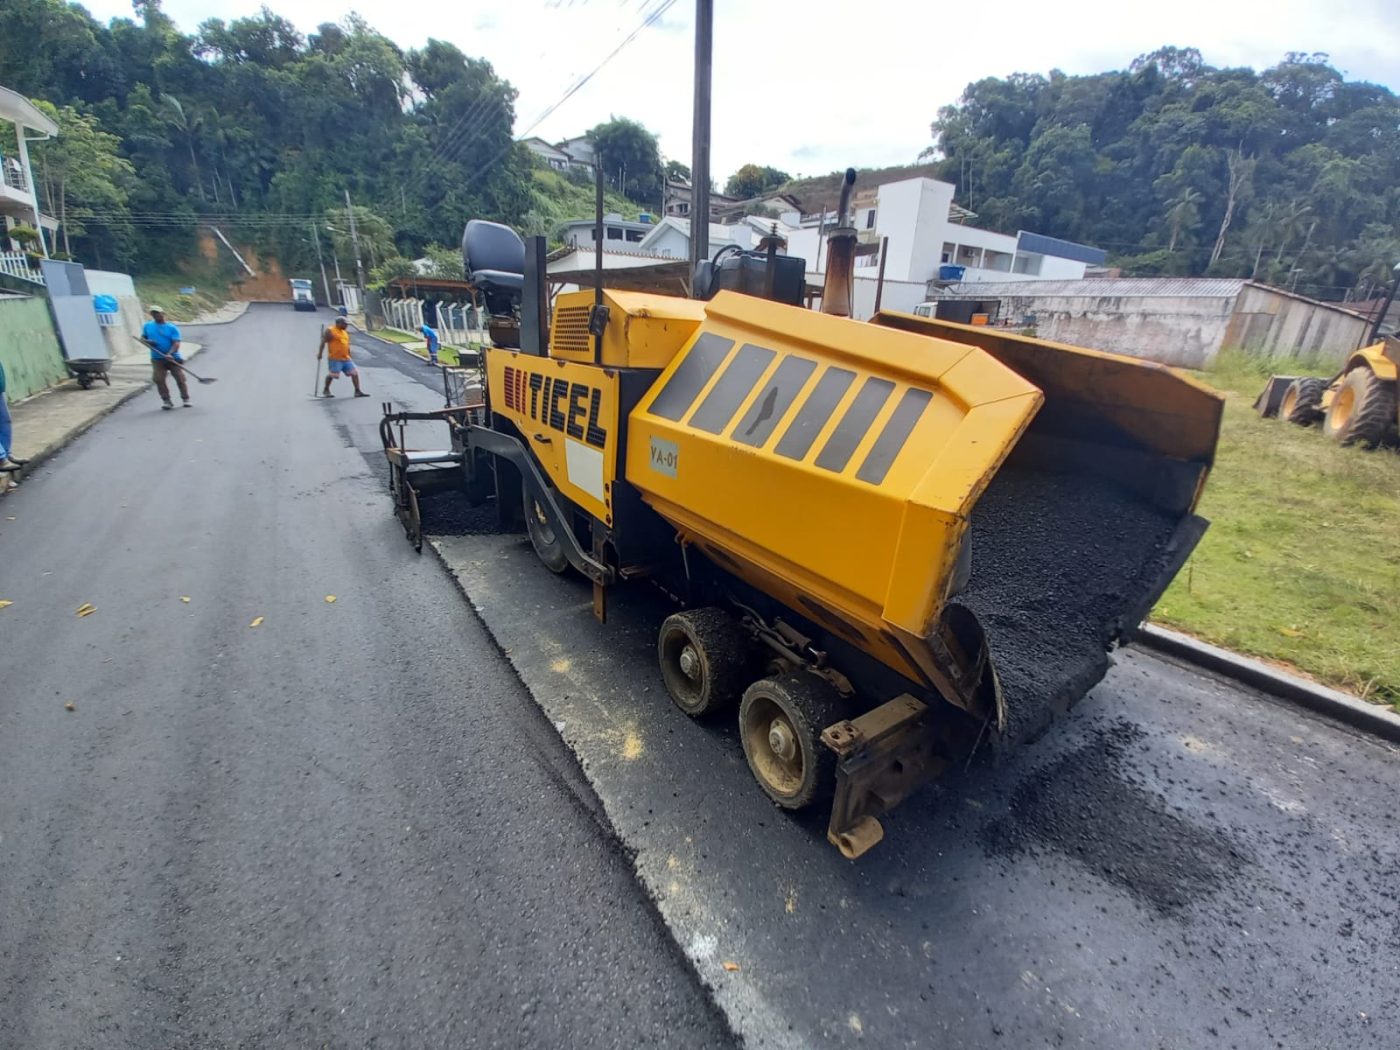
(347, 826)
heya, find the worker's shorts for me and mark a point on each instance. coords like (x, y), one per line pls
(342, 368)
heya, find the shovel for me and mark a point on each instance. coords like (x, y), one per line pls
(202, 380)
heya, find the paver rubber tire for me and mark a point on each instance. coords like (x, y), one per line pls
(1302, 403)
(1362, 410)
(706, 660)
(547, 545)
(780, 724)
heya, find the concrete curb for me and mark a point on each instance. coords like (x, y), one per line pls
(1331, 703)
(39, 455)
(227, 320)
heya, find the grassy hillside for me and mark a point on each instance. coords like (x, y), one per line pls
(558, 200)
(824, 191)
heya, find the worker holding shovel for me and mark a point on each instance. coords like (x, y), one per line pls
(164, 340)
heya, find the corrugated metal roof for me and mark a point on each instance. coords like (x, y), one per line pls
(1046, 245)
(1102, 287)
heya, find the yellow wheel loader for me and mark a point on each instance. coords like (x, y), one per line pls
(889, 543)
(1359, 406)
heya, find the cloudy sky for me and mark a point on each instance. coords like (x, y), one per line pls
(892, 62)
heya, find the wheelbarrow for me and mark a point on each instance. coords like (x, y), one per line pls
(90, 371)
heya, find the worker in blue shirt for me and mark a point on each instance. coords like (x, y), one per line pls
(432, 337)
(9, 466)
(164, 340)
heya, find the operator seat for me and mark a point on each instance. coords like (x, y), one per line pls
(493, 256)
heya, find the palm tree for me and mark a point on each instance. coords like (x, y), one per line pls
(187, 122)
(1183, 214)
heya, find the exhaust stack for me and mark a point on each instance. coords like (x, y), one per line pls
(841, 255)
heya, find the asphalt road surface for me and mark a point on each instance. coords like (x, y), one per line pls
(1177, 864)
(346, 826)
(1180, 863)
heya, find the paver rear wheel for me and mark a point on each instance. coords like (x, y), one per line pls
(1362, 410)
(780, 723)
(705, 658)
(1302, 404)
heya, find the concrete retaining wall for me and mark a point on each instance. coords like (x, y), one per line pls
(1176, 330)
(29, 346)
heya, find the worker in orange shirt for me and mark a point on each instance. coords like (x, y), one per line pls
(335, 344)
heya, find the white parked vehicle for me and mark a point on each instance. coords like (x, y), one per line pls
(302, 299)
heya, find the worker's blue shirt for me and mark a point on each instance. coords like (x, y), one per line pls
(429, 335)
(164, 336)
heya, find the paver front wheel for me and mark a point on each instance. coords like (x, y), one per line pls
(1362, 410)
(780, 723)
(705, 659)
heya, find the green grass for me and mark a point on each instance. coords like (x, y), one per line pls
(1301, 565)
(446, 354)
(165, 290)
(556, 200)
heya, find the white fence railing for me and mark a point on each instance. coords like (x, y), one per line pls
(456, 325)
(16, 264)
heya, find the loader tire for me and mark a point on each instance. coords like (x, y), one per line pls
(780, 723)
(542, 538)
(1362, 410)
(705, 659)
(1302, 404)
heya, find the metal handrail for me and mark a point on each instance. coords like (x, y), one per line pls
(16, 264)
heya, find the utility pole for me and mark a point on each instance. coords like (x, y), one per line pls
(355, 240)
(325, 284)
(700, 136)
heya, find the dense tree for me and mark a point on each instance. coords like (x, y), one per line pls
(251, 126)
(79, 173)
(630, 158)
(753, 180)
(1177, 167)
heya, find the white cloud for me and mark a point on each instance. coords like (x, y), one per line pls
(810, 86)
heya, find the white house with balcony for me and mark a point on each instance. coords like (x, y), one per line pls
(927, 233)
(19, 198)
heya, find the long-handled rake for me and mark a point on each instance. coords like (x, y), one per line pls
(316, 387)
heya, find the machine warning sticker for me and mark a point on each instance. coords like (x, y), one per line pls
(665, 455)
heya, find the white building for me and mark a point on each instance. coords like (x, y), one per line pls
(19, 200)
(553, 156)
(670, 237)
(617, 233)
(580, 150)
(928, 232)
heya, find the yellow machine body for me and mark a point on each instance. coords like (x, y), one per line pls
(567, 415)
(643, 331)
(831, 464)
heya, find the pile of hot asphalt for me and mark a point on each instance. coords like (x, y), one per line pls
(1058, 561)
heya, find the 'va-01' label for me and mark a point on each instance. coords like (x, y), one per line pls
(664, 456)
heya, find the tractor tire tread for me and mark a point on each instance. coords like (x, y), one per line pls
(1307, 406)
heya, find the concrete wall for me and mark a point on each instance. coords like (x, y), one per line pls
(121, 342)
(1273, 323)
(28, 346)
(1186, 331)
